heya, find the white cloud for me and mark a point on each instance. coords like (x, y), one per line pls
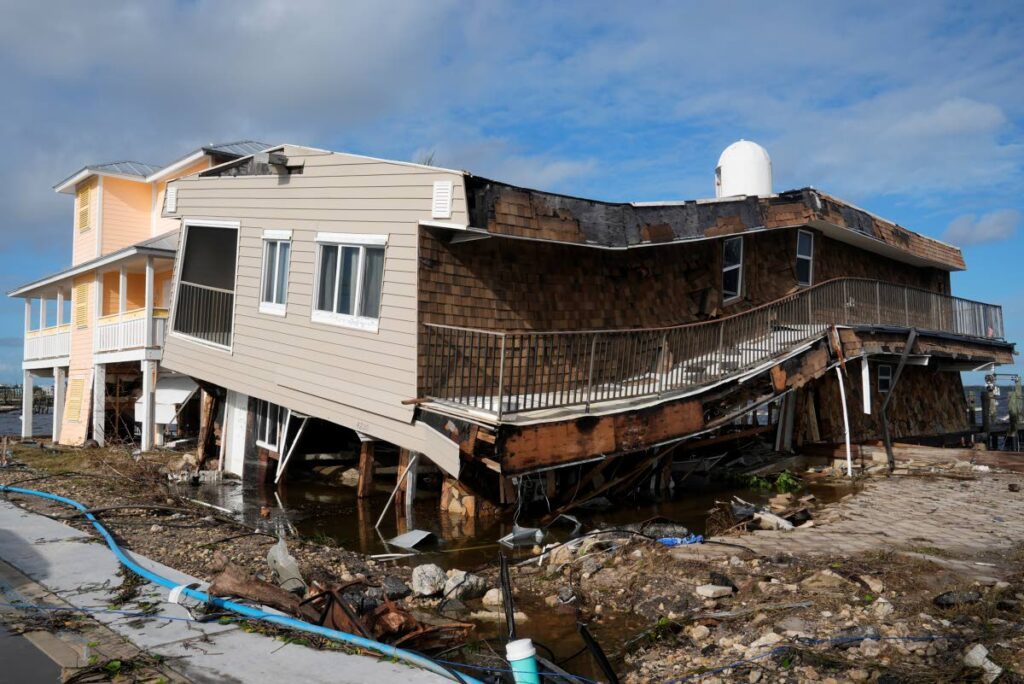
(995, 226)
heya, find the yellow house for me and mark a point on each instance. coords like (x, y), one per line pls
(98, 327)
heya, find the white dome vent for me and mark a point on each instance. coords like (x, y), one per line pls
(743, 169)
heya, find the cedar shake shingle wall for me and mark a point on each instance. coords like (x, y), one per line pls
(507, 284)
(925, 402)
(502, 284)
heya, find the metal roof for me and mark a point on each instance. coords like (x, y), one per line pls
(144, 172)
(240, 148)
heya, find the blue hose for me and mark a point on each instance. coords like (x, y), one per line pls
(254, 613)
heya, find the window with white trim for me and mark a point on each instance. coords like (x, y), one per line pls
(274, 288)
(732, 268)
(268, 422)
(884, 378)
(350, 278)
(804, 257)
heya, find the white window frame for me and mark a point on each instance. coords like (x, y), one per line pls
(199, 222)
(808, 258)
(726, 298)
(340, 240)
(887, 376)
(278, 236)
(262, 433)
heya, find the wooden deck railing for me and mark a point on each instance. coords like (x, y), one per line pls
(502, 373)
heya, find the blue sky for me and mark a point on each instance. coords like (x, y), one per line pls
(911, 110)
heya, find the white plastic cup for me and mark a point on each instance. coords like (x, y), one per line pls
(522, 657)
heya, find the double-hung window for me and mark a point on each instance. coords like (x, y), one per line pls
(268, 421)
(350, 278)
(732, 268)
(277, 248)
(804, 257)
(884, 378)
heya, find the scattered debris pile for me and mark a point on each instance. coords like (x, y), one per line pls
(356, 606)
(784, 512)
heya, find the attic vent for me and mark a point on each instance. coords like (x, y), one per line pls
(171, 199)
(442, 208)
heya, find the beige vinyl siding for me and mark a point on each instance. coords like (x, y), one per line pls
(353, 377)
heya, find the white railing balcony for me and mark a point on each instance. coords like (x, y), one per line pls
(204, 313)
(48, 343)
(126, 331)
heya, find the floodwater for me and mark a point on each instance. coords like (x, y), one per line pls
(332, 513)
(23, 662)
(10, 423)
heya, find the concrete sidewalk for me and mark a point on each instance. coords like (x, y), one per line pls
(82, 573)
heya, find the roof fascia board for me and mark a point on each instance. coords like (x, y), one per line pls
(873, 244)
(107, 260)
(68, 186)
(170, 169)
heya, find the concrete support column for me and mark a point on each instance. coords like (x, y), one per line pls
(60, 376)
(99, 403)
(148, 403)
(27, 388)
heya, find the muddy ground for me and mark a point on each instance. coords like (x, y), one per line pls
(733, 611)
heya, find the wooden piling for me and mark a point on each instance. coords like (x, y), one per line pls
(365, 470)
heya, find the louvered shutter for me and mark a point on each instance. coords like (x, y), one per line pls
(81, 296)
(83, 197)
(76, 388)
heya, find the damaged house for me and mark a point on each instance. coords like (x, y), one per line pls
(97, 327)
(327, 298)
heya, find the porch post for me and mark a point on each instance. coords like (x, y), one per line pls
(59, 380)
(99, 403)
(28, 324)
(26, 404)
(122, 289)
(60, 307)
(148, 406)
(42, 312)
(149, 302)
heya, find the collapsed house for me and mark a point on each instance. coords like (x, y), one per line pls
(502, 332)
(331, 302)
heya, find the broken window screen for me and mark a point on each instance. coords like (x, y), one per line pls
(209, 257)
(350, 282)
(275, 271)
(732, 267)
(804, 257)
(884, 378)
(268, 417)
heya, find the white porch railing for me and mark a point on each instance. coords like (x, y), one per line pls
(120, 332)
(49, 343)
